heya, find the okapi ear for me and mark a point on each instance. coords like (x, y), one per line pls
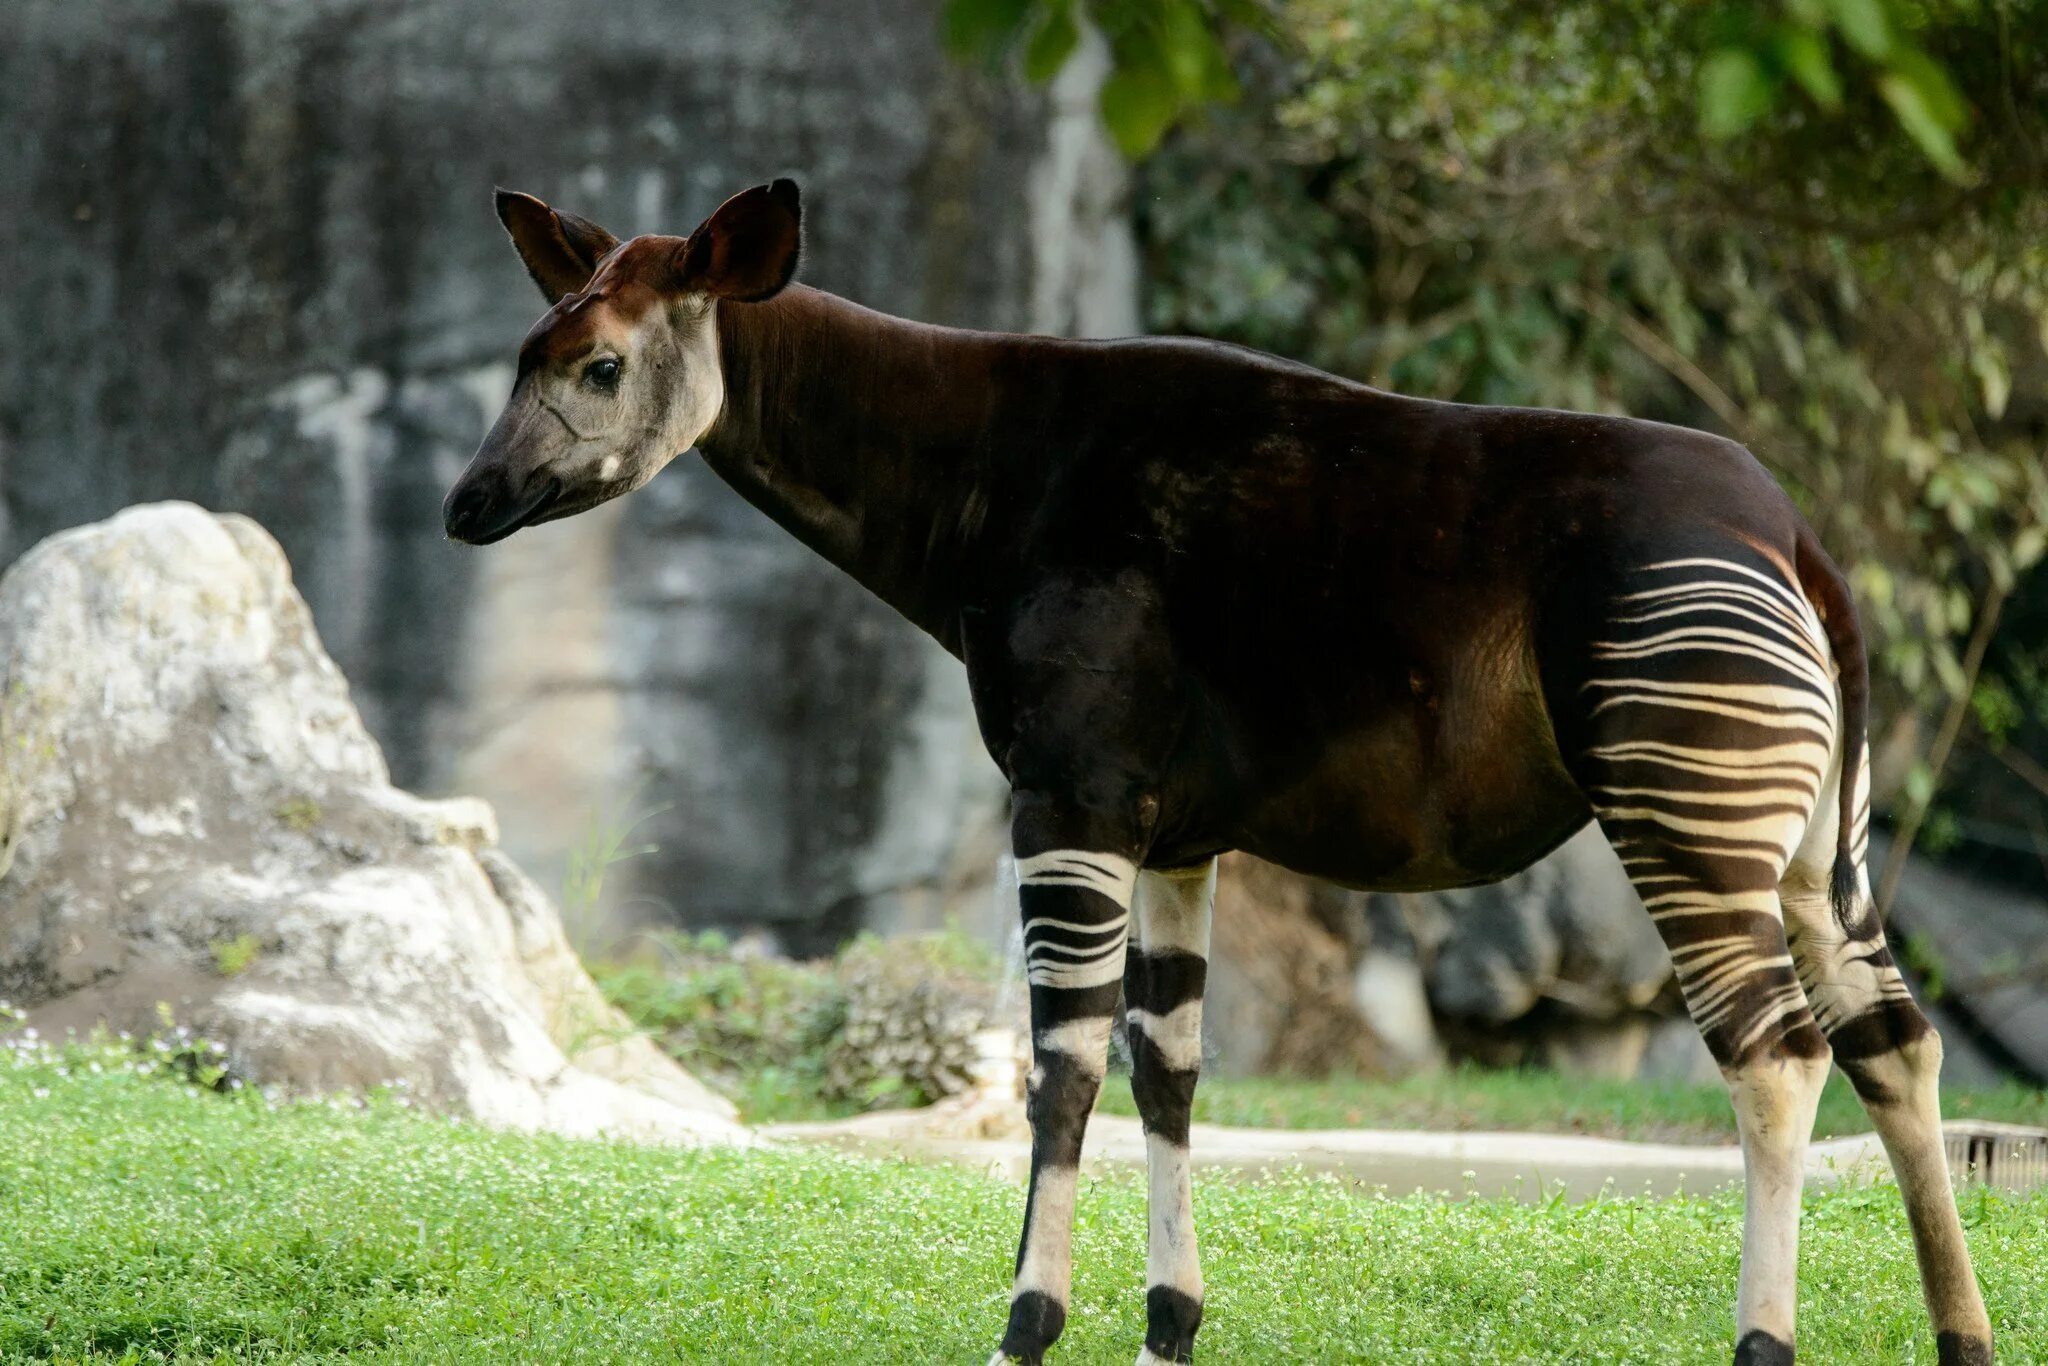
(561, 251)
(747, 250)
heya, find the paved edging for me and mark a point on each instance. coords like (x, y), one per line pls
(1402, 1161)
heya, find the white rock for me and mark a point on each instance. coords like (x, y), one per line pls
(182, 773)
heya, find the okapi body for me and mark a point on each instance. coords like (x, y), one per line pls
(1210, 600)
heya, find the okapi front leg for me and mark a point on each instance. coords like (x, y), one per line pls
(1163, 981)
(1075, 893)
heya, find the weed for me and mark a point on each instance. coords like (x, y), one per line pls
(233, 957)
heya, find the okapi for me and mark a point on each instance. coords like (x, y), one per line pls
(1209, 599)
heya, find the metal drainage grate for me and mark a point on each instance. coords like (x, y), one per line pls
(2010, 1156)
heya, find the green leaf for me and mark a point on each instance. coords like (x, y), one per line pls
(1920, 783)
(1994, 378)
(1805, 56)
(1931, 79)
(1910, 105)
(1735, 92)
(1864, 26)
(1198, 64)
(982, 30)
(1255, 16)
(1052, 42)
(1138, 106)
(2029, 546)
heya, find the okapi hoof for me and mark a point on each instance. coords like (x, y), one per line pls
(1036, 1321)
(1759, 1348)
(1959, 1349)
(1171, 1318)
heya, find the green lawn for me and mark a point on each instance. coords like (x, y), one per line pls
(141, 1219)
(1543, 1102)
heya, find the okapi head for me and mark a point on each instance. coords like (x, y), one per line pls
(622, 372)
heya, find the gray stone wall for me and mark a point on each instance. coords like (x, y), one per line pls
(251, 262)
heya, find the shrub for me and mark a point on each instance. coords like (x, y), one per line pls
(885, 1023)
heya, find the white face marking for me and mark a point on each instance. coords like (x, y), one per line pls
(599, 443)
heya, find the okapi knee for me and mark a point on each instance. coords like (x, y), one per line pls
(1886, 1052)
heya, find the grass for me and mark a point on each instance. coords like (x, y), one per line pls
(1542, 1102)
(146, 1220)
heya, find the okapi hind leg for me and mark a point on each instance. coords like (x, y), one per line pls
(1163, 980)
(1075, 881)
(1892, 1056)
(1703, 722)
(1736, 973)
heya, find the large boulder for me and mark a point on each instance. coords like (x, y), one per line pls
(192, 814)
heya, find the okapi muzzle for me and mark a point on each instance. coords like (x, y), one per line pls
(622, 372)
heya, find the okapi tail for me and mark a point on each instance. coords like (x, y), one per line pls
(1829, 592)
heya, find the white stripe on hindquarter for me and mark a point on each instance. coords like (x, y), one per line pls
(1076, 954)
(1110, 874)
(1051, 969)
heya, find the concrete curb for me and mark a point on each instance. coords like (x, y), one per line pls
(1531, 1166)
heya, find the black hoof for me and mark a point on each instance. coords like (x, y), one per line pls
(1759, 1348)
(1171, 1319)
(1955, 1349)
(1036, 1321)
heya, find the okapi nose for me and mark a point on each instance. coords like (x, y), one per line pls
(462, 514)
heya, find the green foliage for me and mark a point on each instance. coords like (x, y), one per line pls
(139, 1223)
(773, 1034)
(755, 1026)
(233, 957)
(1756, 59)
(1167, 57)
(301, 815)
(172, 1052)
(1926, 962)
(1534, 1101)
(1515, 206)
(1765, 56)
(607, 842)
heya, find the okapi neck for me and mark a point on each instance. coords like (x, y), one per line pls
(861, 434)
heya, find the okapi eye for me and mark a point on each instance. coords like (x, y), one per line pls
(602, 374)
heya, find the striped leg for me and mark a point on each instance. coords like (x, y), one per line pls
(1711, 726)
(1163, 979)
(1893, 1057)
(1075, 898)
